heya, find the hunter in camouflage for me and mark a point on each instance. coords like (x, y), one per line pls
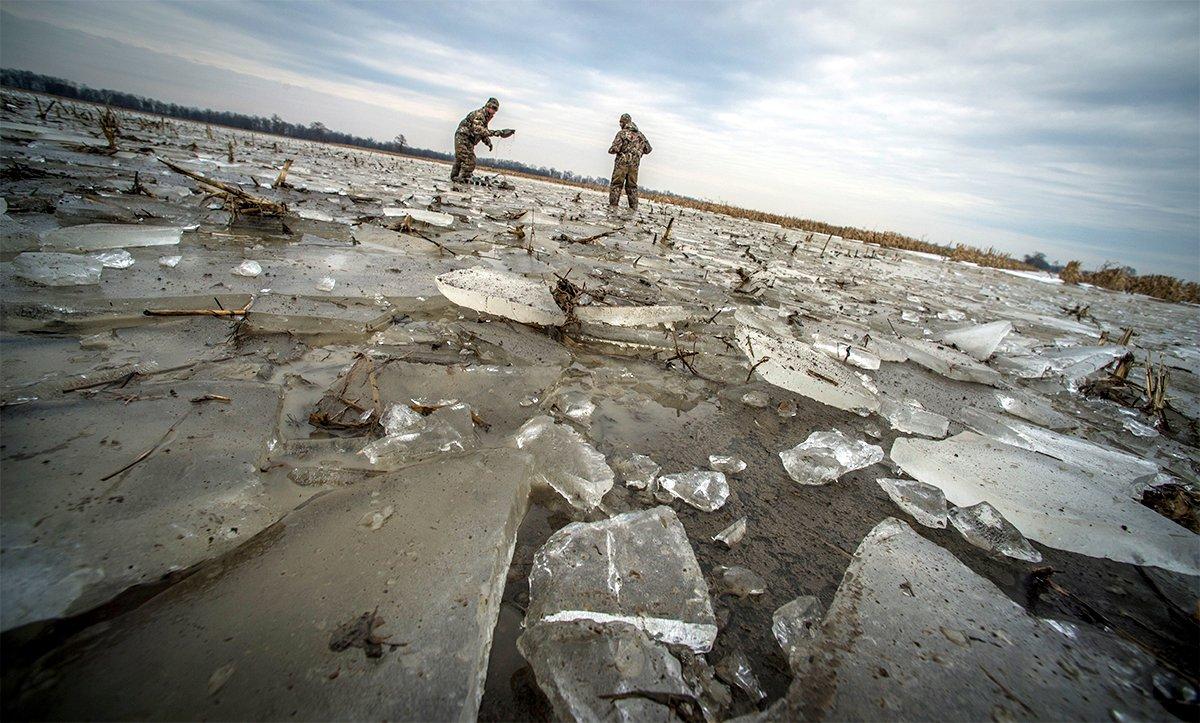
(472, 130)
(629, 146)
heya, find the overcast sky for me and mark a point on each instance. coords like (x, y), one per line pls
(1070, 128)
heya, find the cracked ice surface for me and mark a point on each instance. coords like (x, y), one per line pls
(637, 568)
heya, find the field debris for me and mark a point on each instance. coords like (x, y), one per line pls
(491, 444)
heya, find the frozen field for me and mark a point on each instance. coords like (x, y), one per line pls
(410, 451)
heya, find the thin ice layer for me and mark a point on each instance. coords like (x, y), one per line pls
(913, 634)
(503, 294)
(636, 568)
(909, 416)
(631, 315)
(1055, 503)
(950, 363)
(54, 269)
(793, 365)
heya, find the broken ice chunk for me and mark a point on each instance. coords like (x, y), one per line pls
(120, 259)
(926, 503)
(433, 218)
(703, 489)
(576, 405)
(725, 463)
(984, 527)
(637, 471)
(1025, 366)
(908, 416)
(615, 673)
(956, 648)
(636, 568)
(979, 341)
(564, 461)
(826, 456)
(1080, 361)
(733, 534)
(502, 294)
(1055, 503)
(793, 365)
(447, 429)
(52, 269)
(735, 669)
(248, 268)
(739, 581)
(169, 261)
(795, 624)
(326, 283)
(97, 236)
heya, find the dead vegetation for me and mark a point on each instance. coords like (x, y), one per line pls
(1116, 278)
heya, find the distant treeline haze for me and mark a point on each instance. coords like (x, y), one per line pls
(1110, 275)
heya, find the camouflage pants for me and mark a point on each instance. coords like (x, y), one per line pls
(464, 159)
(624, 177)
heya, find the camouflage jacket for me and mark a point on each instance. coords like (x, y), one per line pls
(474, 127)
(630, 145)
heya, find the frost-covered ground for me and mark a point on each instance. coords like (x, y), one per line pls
(421, 452)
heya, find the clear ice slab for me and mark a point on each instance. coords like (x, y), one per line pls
(565, 461)
(910, 417)
(794, 365)
(796, 624)
(1055, 503)
(884, 653)
(826, 456)
(636, 568)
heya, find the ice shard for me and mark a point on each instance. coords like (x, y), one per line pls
(739, 581)
(502, 294)
(54, 269)
(119, 259)
(564, 461)
(636, 568)
(826, 456)
(984, 527)
(846, 353)
(733, 534)
(1032, 409)
(795, 624)
(99, 236)
(735, 669)
(446, 429)
(978, 341)
(420, 215)
(703, 489)
(896, 645)
(926, 503)
(726, 463)
(1055, 503)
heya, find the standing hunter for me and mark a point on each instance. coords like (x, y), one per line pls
(472, 130)
(629, 146)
